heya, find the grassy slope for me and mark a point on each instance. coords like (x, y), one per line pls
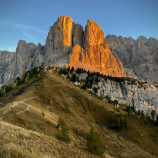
(58, 97)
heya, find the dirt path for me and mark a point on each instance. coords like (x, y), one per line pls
(51, 117)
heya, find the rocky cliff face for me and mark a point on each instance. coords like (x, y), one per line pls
(95, 54)
(12, 64)
(142, 95)
(139, 57)
(6, 58)
(59, 41)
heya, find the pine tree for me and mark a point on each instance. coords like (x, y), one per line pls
(3, 92)
(94, 142)
(153, 114)
(72, 69)
(36, 70)
(15, 84)
(19, 80)
(157, 120)
(27, 77)
(148, 116)
(63, 131)
(130, 112)
(31, 74)
(43, 113)
(73, 78)
(23, 76)
(95, 90)
(51, 101)
(139, 112)
(142, 113)
(121, 122)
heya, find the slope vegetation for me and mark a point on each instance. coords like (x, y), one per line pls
(29, 115)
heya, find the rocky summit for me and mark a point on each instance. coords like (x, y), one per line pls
(94, 54)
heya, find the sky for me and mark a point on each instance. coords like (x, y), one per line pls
(30, 20)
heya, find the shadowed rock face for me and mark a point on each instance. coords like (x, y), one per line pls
(12, 64)
(60, 35)
(139, 57)
(6, 58)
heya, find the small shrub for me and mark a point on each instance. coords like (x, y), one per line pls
(83, 87)
(119, 122)
(95, 90)
(115, 102)
(43, 113)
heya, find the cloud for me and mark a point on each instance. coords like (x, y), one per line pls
(29, 36)
(22, 26)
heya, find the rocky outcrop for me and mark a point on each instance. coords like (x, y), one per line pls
(95, 54)
(142, 95)
(139, 57)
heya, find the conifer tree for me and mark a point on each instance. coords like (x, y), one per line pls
(51, 101)
(19, 81)
(94, 142)
(15, 84)
(157, 120)
(3, 92)
(153, 114)
(73, 78)
(23, 76)
(72, 69)
(27, 77)
(63, 131)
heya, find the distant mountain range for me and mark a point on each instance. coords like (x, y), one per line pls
(67, 44)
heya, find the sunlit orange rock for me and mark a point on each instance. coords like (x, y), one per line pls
(66, 23)
(95, 54)
(76, 55)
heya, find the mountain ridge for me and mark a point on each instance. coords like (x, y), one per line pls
(139, 57)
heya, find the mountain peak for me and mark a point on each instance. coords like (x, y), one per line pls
(93, 34)
(95, 54)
